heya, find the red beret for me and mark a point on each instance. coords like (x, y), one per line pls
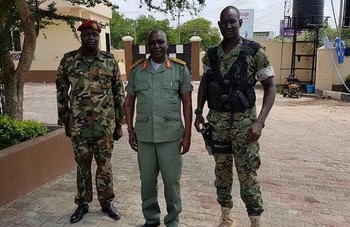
(90, 24)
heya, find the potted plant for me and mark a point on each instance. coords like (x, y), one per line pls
(30, 156)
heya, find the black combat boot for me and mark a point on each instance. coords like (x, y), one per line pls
(111, 211)
(79, 213)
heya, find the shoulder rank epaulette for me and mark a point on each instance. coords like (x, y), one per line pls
(107, 54)
(136, 63)
(178, 61)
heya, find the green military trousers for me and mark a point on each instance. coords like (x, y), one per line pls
(84, 150)
(164, 157)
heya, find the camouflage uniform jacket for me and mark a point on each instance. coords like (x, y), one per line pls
(258, 68)
(90, 94)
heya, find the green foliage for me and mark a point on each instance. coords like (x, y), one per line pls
(11, 23)
(279, 89)
(347, 79)
(174, 6)
(144, 24)
(172, 35)
(14, 131)
(202, 28)
(139, 29)
(120, 27)
(345, 36)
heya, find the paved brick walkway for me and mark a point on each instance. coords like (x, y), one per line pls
(305, 173)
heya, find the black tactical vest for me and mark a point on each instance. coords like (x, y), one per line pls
(230, 92)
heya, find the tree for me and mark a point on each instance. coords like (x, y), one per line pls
(27, 16)
(13, 79)
(174, 6)
(144, 24)
(120, 27)
(202, 28)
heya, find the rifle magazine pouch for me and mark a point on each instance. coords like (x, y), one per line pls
(221, 147)
(251, 96)
(214, 95)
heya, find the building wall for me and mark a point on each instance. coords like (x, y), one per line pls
(120, 57)
(52, 43)
(57, 39)
(100, 9)
(279, 56)
(327, 77)
(325, 71)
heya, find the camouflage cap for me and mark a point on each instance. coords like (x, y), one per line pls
(90, 24)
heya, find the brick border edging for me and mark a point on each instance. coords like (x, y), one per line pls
(26, 166)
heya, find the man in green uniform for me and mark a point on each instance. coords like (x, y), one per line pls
(232, 69)
(90, 97)
(159, 84)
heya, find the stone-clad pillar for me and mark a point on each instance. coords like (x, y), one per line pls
(195, 56)
(128, 54)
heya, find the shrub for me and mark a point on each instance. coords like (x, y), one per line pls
(14, 131)
(279, 89)
(347, 81)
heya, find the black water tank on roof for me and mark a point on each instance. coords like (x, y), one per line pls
(307, 14)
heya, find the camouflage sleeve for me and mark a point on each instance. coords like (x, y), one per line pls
(263, 67)
(62, 87)
(118, 95)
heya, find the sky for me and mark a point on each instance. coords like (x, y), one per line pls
(267, 13)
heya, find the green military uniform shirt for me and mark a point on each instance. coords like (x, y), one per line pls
(90, 93)
(158, 108)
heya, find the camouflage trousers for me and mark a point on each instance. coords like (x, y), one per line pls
(246, 157)
(84, 150)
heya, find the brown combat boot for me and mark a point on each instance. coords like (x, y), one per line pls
(254, 221)
(226, 218)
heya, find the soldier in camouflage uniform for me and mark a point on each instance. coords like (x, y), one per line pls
(90, 97)
(235, 133)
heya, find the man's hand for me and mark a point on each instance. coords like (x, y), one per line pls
(185, 144)
(199, 123)
(118, 133)
(254, 132)
(132, 139)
